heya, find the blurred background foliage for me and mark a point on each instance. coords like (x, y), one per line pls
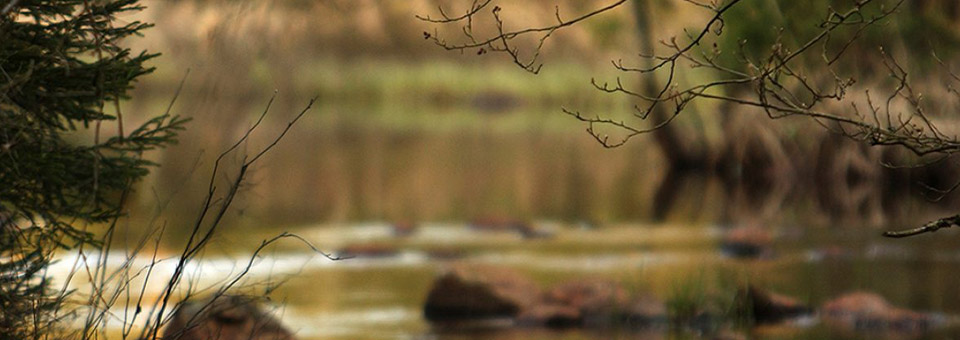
(408, 131)
(916, 33)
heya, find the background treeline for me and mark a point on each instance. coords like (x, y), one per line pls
(407, 131)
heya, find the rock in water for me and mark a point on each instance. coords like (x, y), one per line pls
(770, 307)
(869, 312)
(479, 296)
(577, 304)
(468, 293)
(228, 317)
(596, 300)
(596, 304)
(749, 242)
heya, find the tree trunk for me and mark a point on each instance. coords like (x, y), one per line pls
(679, 155)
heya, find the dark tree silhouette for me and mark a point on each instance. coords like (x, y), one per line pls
(61, 71)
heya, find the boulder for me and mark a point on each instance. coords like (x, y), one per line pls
(468, 295)
(477, 292)
(869, 312)
(403, 228)
(368, 250)
(503, 224)
(768, 307)
(529, 232)
(550, 315)
(227, 317)
(498, 224)
(446, 253)
(588, 295)
(594, 304)
(643, 312)
(576, 303)
(747, 242)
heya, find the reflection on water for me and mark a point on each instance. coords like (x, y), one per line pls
(380, 297)
(647, 258)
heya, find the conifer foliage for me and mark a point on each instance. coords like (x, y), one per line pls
(66, 159)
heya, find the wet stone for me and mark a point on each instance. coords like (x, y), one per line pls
(769, 307)
(476, 292)
(869, 312)
(227, 317)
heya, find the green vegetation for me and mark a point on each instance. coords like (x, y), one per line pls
(61, 66)
(920, 27)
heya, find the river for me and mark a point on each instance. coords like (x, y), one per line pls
(379, 293)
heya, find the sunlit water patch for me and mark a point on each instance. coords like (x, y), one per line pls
(381, 296)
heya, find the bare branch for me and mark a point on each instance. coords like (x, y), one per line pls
(926, 228)
(502, 40)
(803, 79)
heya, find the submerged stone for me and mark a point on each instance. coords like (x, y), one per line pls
(372, 250)
(227, 317)
(869, 312)
(470, 294)
(747, 242)
(477, 292)
(769, 307)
